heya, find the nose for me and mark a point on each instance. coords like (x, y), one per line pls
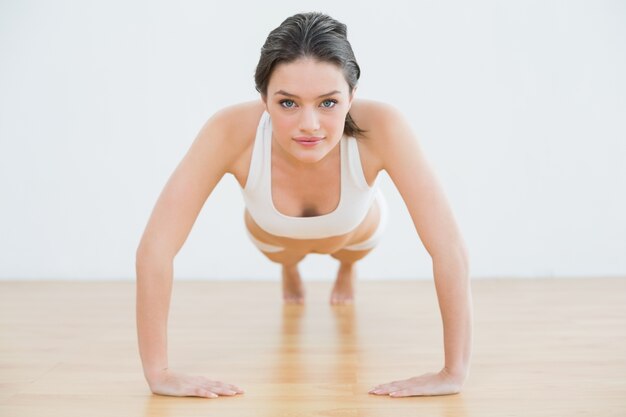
(309, 121)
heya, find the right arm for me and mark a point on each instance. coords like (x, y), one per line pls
(172, 218)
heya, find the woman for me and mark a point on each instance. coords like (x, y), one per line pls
(307, 157)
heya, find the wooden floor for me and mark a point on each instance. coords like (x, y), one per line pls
(541, 348)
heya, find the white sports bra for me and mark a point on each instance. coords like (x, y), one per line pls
(354, 203)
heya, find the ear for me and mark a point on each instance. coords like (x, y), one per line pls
(352, 97)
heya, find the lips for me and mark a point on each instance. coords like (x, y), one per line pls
(308, 139)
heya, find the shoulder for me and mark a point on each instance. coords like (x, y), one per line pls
(234, 128)
(387, 129)
(237, 120)
(373, 115)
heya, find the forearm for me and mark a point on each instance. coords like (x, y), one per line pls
(455, 303)
(154, 289)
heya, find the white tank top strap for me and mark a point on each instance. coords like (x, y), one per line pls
(354, 163)
(255, 172)
(355, 199)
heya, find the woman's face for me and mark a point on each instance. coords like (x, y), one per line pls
(307, 99)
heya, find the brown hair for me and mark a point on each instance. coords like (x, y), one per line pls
(310, 35)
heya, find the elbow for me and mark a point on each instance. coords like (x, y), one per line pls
(147, 255)
(464, 254)
(142, 261)
(456, 254)
(141, 254)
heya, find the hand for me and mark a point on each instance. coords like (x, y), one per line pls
(442, 383)
(167, 382)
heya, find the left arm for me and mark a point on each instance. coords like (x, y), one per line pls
(434, 222)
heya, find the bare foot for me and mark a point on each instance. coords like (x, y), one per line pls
(343, 291)
(293, 291)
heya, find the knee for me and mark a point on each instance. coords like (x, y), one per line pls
(286, 257)
(350, 256)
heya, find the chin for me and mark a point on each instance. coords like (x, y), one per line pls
(309, 158)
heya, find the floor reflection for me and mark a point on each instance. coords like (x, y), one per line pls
(315, 366)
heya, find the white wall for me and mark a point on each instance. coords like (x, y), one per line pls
(520, 107)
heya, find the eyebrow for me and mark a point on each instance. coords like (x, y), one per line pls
(284, 93)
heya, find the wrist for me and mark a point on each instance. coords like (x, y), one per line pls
(458, 373)
(154, 373)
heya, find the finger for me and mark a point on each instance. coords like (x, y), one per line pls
(408, 392)
(379, 389)
(382, 386)
(225, 389)
(399, 383)
(403, 393)
(235, 388)
(385, 390)
(402, 385)
(201, 392)
(219, 388)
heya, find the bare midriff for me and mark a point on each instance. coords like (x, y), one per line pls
(324, 245)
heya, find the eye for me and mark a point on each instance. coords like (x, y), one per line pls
(288, 104)
(329, 104)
